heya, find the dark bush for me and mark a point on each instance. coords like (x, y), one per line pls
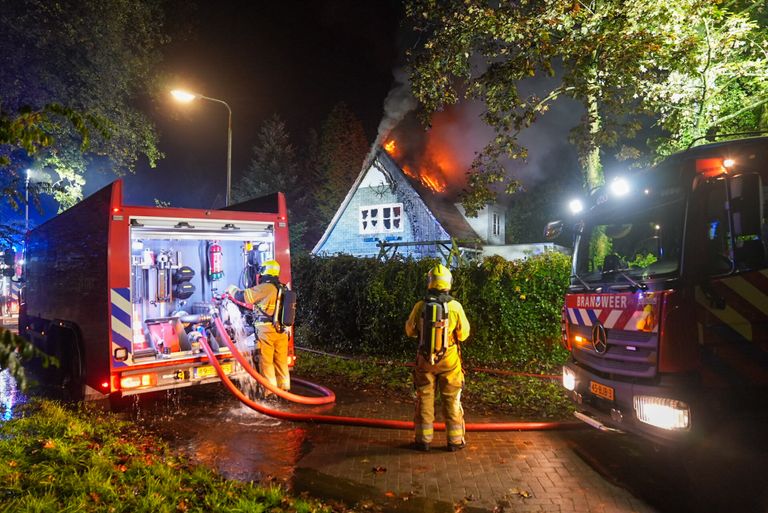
(359, 306)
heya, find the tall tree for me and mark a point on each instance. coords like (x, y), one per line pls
(619, 59)
(95, 58)
(274, 165)
(275, 168)
(342, 148)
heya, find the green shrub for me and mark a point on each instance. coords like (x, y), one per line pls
(359, 306)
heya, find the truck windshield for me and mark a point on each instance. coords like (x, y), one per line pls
(625, 247)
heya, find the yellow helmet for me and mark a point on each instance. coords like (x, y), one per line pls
(270, 268)
(439, 278)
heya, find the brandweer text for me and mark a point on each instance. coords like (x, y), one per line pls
(607, 301)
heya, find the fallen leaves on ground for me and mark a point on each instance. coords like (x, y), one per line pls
(520, 493)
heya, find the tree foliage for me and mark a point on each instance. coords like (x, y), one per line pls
(69, 67)
(275, 168)
(274, 165)
(14, 351)
(341, 150)
(626, 62)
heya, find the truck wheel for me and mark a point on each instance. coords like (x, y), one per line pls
(72, 376)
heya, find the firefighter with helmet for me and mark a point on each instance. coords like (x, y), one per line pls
(440, 324)
(273, 344)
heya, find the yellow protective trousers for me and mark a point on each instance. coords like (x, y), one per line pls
(273, 355)
(447, 377)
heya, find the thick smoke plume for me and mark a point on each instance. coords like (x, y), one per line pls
(398, 103)
(442, 153)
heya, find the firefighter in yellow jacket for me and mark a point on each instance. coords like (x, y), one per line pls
(440, 324)
(273, 345)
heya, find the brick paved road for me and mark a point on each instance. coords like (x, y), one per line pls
(521, 471)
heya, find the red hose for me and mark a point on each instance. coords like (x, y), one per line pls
(375, 423)
(328, 396)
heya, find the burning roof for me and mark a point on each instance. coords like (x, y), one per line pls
(434, 167)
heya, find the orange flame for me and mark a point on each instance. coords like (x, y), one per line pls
(431, 171)
(433, 182)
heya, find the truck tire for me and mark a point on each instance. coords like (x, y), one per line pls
(73, 376)
(70, 379)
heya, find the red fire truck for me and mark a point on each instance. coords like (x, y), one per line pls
(666, 316)
(107, 287)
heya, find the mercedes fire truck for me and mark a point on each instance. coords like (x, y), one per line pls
(107, 287)
(666, 316)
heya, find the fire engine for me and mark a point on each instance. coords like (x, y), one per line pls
(666, 315)
(108, 288)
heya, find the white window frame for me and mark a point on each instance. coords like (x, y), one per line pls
(495, 224)
(371, 224)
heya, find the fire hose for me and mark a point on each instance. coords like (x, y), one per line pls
(353, 421)
(327, 395)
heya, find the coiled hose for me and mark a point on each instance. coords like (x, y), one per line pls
(327, 395)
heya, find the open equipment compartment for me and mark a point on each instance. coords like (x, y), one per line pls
(178, 266)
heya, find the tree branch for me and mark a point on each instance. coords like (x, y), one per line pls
(739, 112)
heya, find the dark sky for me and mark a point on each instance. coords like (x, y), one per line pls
(292, 58)
(296, 59)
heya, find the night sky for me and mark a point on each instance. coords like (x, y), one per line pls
(296, 59)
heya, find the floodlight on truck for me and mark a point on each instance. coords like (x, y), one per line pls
(575, 206)
(569, 379)
(620, 187)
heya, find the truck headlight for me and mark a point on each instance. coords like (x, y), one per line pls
(662, 412)
(569, 379)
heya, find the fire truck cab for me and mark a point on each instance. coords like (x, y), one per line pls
(666, 316)
(107, 287)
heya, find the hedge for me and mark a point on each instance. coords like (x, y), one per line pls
(359, 306)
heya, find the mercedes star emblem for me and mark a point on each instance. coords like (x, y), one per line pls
(599, 339)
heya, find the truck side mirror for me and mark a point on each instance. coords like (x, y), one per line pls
(553, 230)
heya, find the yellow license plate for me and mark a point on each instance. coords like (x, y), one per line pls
(207, 371)
(601, 390)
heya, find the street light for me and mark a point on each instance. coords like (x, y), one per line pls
(26, 202)
(186, 97)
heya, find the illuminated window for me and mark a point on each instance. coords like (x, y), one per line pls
(385, 218)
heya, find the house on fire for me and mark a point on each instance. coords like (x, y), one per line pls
(391, 211)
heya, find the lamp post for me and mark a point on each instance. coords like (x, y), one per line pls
(26, 202)
(186, 97)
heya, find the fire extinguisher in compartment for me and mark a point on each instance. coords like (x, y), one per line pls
(215, 263)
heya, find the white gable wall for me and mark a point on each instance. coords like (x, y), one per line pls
(489, 223)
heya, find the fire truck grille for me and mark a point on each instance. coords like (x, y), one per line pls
(627, 353)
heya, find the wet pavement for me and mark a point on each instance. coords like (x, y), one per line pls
(565, 471)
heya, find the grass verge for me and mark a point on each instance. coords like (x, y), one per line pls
(521, 397)
(53, 458)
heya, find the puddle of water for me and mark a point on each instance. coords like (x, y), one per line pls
(214, 429)
(10, 395)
